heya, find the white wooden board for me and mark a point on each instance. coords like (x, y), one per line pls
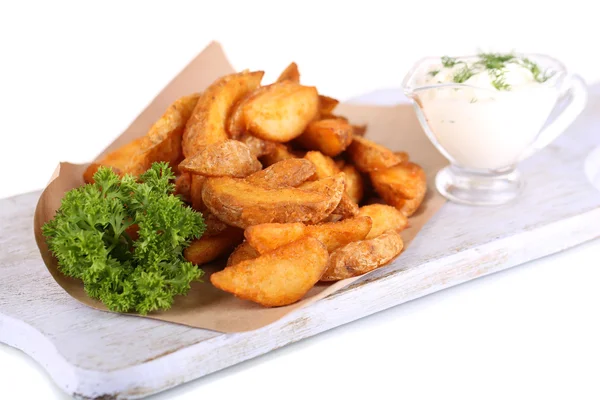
(97, 355)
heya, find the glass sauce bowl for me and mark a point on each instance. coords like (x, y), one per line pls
(484, 133)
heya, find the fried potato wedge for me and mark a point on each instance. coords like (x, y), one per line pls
(183, 187)
(327, 105)
(236, 122)
(214, 225)
(207, 122)
(242, 253)
(196, 193)
(291, 73)
(359, 130)
(324, 165)
(329, 136)
(258, 147)
(384, 217)
(363, 256)
(209, 248)
(268, 237)
(117, 159)
(346, 208)
(403, 186)
(354, 183)
(278, 278)
(163, 140)
(242, 204)
(280, 152)
(227, 158)
(369, 156)
(282, 111)
(291, 172)
(402, 155)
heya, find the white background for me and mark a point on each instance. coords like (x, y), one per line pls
(73, 75)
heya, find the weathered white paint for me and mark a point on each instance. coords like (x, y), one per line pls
(91, 354)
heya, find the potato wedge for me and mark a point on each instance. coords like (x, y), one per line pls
(117, 159)
(281, 112)
(236, 122)
(327, 105)
(278, 278)
(354, 183)
(242, 204)
(384, 217)
(183, 187)
(402, 155)
(209, 248)
(363, 256)
(280, 152)
(324, 165)
(242, 253)
(163, 140)
(291, 73)
(346, 208)
(359, 130)
(329, 136)
(369, 156)
(268, 237)
(207, 122)
(214, 225)
(227, 158)
(196, 193)
(258, 147)
(402, 186)
(291, 172)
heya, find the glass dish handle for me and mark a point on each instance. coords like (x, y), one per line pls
(573, 101)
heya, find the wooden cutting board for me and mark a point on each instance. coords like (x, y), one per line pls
(93, 354)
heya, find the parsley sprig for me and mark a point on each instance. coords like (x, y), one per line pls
(124, 238)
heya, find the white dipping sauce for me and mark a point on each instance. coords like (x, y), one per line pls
(482, 126)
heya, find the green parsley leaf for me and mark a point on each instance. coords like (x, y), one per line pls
(90, 236)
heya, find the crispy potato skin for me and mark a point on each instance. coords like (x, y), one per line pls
(236, 122)
(117, 159)
(384, 218)
(268, 237)
(258, 147)
(242, 253)
(227, 158)
(282, 111)
(325, 166)
(354, 183)
(291, 73)
(163, 141)
(327, 105)
(358, 258)
(207, 122)
(209, 248)
(369, 156)
(279, 153)
(183, 187)
(196, 193)
(403, 186)
(239, 203)
(359, 130)
(291, 172)
(329, 136)
(278, 278)
(214, 225)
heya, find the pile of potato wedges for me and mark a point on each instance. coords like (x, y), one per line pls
(292, 193)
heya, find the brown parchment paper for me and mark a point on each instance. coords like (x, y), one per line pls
(206, 307)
